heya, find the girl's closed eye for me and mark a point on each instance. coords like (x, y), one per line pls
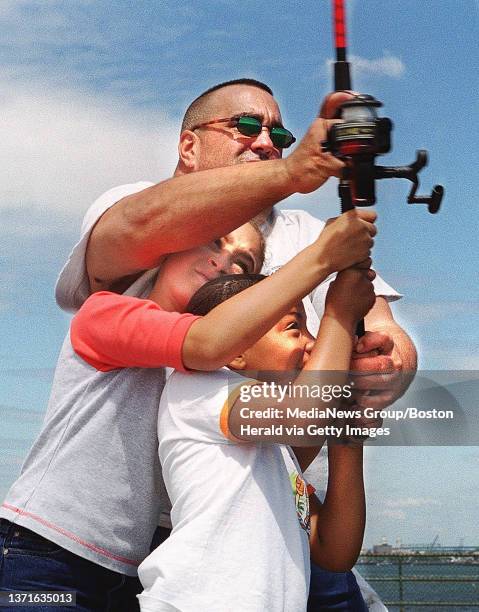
(244, 266)
(292, 325)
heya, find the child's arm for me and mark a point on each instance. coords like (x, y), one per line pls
(214, 340)
(337, 526)
(113, 331)
(327, 365)
(239, 322)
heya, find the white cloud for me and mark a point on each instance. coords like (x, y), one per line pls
(412, 502)
(8, 7)
(435, 311)
(393, 514)
(387, 65)
(456, 358)
(396, 509)
(91, 42)
(63, 148)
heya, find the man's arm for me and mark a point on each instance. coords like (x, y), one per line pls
(195, 208)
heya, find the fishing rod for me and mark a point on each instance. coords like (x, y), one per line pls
(362, 136)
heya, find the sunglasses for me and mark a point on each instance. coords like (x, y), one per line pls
(251, 126)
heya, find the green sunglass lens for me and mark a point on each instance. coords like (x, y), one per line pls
(281, 137)
(249, 126)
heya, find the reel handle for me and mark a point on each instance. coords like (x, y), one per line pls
(411, 172)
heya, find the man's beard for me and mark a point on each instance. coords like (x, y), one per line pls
(247, 157)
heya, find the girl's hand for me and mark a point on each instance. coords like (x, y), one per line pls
(351, 295)
(346, 240)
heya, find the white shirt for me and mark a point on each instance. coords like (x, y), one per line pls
(288, 232)
(239, 542)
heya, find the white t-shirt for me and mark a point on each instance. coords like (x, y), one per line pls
(238, 542)
(73, 286)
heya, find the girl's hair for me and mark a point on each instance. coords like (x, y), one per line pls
(216, 291)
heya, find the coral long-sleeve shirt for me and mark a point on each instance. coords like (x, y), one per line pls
(113, 331)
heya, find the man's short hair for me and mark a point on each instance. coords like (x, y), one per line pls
(220, 289)
(195, 112)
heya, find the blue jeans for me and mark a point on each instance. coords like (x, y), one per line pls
(334, 591)
(31, 563)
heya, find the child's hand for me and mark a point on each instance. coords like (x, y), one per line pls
(351, 295)
(347, 240)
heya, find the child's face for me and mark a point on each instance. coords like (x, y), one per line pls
(286, 346)
(182, 274)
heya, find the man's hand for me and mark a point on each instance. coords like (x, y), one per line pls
(379, 379)
(330, 106)
(309, 166)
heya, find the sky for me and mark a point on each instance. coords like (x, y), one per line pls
(92, 95)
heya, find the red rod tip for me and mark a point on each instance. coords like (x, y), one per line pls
(339, 24)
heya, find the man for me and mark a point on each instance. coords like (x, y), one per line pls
(215, 189)
(141, 228)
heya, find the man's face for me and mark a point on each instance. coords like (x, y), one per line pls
(182, 274)
(286, 347)
(221, 145)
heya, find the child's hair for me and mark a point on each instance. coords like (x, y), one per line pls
(220, 289)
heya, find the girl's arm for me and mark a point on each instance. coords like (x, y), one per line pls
(327, 365)
(337, 526)
(214, 340)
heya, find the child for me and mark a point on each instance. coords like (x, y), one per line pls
(111, 332)
(91, 488)
(236, 543)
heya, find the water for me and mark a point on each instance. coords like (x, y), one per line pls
(438, 587)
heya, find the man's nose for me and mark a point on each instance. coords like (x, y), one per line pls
(263, 146)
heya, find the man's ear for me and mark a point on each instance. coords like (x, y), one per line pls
(238, 363)
(188, 150)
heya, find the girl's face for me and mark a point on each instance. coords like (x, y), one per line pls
(286, 347)
(182, 274)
